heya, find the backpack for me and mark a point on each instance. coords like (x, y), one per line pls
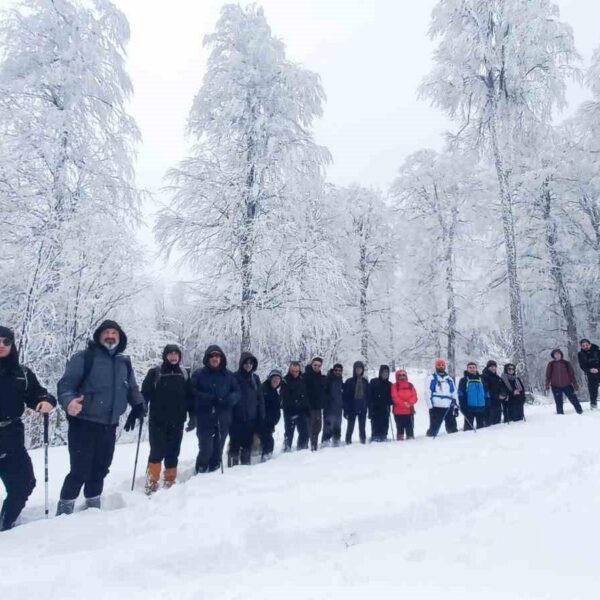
(158, 375)
(88, 363)
(475, 393)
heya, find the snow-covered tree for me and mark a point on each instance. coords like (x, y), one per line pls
(67, 192)
(245, 213)
(501, 68)
(436, 193)
(366, 243)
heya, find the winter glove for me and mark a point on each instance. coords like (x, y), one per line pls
(455, 411)
(192, 423)
(137, 413)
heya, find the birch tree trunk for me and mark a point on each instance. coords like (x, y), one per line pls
(508, 225)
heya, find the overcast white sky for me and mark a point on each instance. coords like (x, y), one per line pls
(371, 55)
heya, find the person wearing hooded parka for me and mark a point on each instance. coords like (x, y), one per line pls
(560, 377)
(168, 393)
(19, 388)
(356, 396)
(248, 413)
(516, 394)
(271, 391)
(94, 391)
(589, 362)
(379, 404)
(216, 391)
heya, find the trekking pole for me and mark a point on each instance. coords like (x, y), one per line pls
(221, 445)
(46, 427)
(137, 452)
(469, 423)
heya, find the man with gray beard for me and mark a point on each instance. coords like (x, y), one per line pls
(95, 390)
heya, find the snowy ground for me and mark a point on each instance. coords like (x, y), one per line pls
(507, 512)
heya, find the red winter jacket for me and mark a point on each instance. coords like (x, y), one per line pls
(404, 397)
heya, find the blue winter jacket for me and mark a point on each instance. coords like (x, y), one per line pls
(473, 395)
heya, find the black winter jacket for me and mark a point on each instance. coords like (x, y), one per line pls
(335, 387)
(272, 398)
(251, 405)
(215, 390)
(589, 359)
(494, 385)
(19, 387)
(167, 390)
(380, 397)
(316, 388)
(294, 397)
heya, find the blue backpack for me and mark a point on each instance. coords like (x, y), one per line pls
(475, 393)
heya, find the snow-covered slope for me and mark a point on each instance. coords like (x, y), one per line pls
(507, 512)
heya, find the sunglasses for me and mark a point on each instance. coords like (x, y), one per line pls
(5, 342)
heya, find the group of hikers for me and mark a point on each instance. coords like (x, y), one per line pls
(99, 384)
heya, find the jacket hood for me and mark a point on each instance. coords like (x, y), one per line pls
(248, 356)
(210, 350)
(508, 366)
(13, 357)
(383, 368)
(358, 365)
(592, 346)
(108, 324)
(274, 373)
(397, 374)
(171, 348)
(555, 351)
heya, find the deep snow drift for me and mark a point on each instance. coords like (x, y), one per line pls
(507, 512)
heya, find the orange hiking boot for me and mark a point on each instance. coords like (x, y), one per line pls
(170, 477)
(152, 477)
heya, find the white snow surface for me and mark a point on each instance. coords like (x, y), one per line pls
(507, 512)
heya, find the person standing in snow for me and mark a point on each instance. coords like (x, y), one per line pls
(19, 388)
(404, 398)
(248, 413)
(167, 391)
(473, 398)
(271, 392)
(380, 400)
(94, 391)
(498, 396)
(560, 377)
(216, 391)
(296, 409)
(356, 397)
(442, 400)
(318, 399)
(332, 415)
(516, 394)
(589, 361)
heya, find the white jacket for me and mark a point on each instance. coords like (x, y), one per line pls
(442, 391)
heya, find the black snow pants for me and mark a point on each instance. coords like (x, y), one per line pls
(212, 431)
(436, 417)
(362, 431)
(473, 420)
(380, 425)
(332, 427)
(16, 473)
(569, 392)
(405, 426)
(165, 443)
(266, 438)
(291, 424)
(241, 437)
(91, 450)
(593, 381)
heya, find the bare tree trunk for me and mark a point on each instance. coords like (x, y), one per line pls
(514, 287)
(450, 292)
(363, 305)
(557, 273)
